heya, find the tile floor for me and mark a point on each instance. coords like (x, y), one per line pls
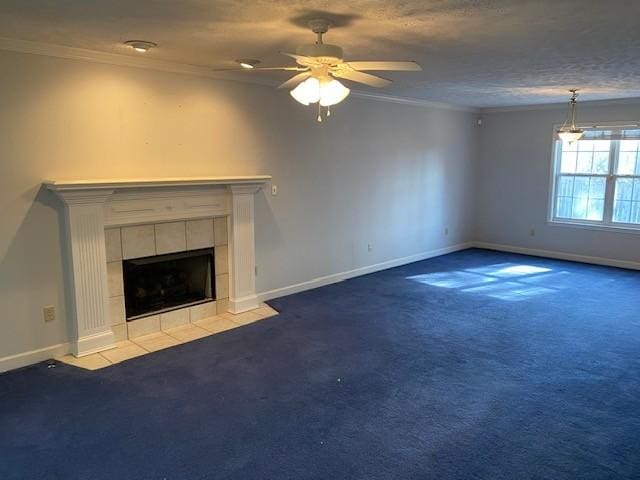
(168, 338)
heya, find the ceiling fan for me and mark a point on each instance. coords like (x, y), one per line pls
(319, 65)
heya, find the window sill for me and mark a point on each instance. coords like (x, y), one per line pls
(591, 226)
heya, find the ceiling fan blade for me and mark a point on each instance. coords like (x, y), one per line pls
(301, 59)
(295, 80)
(359, 77)
(390, 66)
(288, 69)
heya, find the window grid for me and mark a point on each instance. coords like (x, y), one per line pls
(597, 182)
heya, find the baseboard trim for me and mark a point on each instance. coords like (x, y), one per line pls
(243, 304)
(339, 277)
(609, 262)
(98, 342)
(34, 356)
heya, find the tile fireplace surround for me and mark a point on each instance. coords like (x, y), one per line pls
(98, 210)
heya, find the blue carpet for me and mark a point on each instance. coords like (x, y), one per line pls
(474, 365)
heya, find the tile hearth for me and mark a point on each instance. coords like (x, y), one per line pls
(146, 344)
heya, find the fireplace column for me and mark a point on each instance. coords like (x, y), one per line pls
(242, 281)
(87, 268)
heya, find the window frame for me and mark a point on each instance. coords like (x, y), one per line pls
(607, 222)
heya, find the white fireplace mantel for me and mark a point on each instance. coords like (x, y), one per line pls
(93, 205)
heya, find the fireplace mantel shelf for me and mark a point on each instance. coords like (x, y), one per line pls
(113, 184)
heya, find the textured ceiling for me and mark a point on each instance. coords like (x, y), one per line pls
(482, 53)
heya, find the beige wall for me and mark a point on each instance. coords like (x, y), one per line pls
(391, 175)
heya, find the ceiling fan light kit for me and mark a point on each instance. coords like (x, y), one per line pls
(320, 65)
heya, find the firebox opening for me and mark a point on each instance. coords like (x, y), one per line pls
(166, 282)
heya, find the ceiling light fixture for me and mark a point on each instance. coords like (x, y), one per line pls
(141, 46)
(248, 63)
(319, 67)
(327, 91)
(323, 90)
(569, 132)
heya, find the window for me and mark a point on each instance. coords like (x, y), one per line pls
(597, 179)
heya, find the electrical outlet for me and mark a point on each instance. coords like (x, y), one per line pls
(446, 230)
(274, 190)
(370, 247)
(532, 232)
(49, 313)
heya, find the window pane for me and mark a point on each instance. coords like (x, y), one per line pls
(563, 209)
(596, 188)
(569, 147)
(595, 210)
(585, 160)
(581, 187)
(565, 186)
(601, 162)
(621, 211)
(624, 188)
(636, 190)
(579, 210)
(568, 162)
(629, 145)
(626, 163)
(601, 145)
(585, 145)
(581, 198)
(635, 212)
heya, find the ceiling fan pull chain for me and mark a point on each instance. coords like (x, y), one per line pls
(329, 111)
(319, 112)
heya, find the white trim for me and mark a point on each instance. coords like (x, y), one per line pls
(34, 356)
(244, 304)
(562, 105)
(65, 185)
(416, 102)
(339, 277)
(609, 262)
(89, 344)
(607, 222)
(90, 205)
(602, 227)
(120, 59)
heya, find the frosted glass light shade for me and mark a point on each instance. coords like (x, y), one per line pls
(332, 92)
(326, 91)
(307, 92)
(570, 136)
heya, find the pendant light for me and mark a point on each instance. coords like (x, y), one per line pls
(569, 132)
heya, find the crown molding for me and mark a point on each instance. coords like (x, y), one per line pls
(118, 59)
(416, 102)
(121, 60)
(562, 105)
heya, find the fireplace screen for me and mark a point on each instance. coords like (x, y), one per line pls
(166, 282)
